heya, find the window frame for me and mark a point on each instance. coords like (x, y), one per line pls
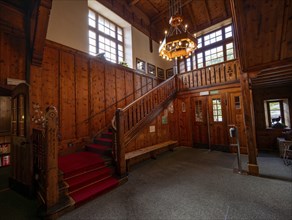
(269, 111)
(98, 34)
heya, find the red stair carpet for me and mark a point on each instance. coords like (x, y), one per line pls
(89, 174)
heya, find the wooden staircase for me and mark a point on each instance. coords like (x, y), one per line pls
(69, 181)
(89, 173)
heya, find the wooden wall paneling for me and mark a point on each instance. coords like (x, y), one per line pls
(137, 86)
(36, 90)
(149, 84)
(286, 50)
(129, 87)
(12, 56)
(144, 84)
(67, 96)
(110, 93)
(121, 88)
(184, 122)
(50, 78)
(97, 96)
(172, 120)
(82, 96)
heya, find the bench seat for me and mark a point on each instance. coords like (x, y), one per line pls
(136, 153)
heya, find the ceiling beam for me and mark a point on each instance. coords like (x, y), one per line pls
(192, 17)
(208, 12)
(133, 2)
(159, 16)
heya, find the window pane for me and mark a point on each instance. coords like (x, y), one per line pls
(217, 112)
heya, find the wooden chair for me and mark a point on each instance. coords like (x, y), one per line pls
(287, 157)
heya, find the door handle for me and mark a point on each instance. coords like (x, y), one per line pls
(24, 142)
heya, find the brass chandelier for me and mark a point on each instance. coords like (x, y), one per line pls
(178, 42)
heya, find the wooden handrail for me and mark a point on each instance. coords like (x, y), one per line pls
(136, 115)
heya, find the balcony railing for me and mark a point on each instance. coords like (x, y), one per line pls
(222, 73)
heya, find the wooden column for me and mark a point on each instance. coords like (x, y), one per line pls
(121, 162)
(52, 190)
(247, 103)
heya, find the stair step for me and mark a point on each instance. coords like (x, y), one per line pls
(108, 135)
(93, 190)
(103, 141)
(99, 149)
(76, 163)
(87, 178)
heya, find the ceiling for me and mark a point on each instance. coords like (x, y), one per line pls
(198, 14)
(152, 16)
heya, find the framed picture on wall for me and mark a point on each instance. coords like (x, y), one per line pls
(160, 73)
(140, 65)
(151, 69)
(169, 73)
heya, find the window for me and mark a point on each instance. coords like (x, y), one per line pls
(105, 37)
(228, 31)
(198, 111)
(214, 55)
(277, 113)
(237, 102)
(213, 37)
(217, 110)
(215, 47)
(229, 51)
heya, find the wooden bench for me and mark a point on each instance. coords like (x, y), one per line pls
(150, 149)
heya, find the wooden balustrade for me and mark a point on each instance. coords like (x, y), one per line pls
(45, 157)
(210, 76)
(138, 114)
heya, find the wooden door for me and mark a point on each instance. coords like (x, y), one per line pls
(218, 122)
(21, 152)
(200, 119)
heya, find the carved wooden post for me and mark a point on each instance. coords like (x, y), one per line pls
(52, 190)
(253, 168)
(121, 162)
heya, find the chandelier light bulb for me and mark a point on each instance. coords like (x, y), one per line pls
(165, 32)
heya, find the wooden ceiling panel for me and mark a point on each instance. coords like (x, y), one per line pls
(259, 25)
(217, 10)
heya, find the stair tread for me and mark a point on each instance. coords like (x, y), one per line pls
(104, 139)
(99, 146)
(93, 190)
(84, 179)
(75, 163)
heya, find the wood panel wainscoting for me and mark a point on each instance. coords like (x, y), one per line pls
(86, 91)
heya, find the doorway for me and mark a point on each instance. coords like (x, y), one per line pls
(209, 122)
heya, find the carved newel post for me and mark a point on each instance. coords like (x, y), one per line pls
(51, 137)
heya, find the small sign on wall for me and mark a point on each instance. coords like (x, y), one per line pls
(152, 128)
(164, 120)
